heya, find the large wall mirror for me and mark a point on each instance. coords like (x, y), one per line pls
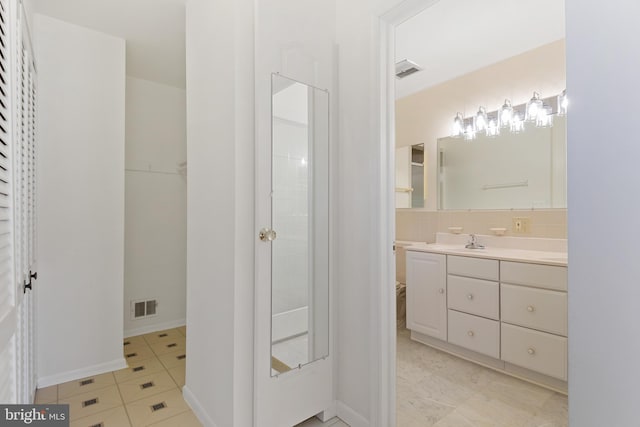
(300, 215)
(523, 170)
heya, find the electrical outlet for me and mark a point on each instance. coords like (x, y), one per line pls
(521, 225)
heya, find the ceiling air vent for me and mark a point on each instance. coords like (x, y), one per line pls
(405, 68)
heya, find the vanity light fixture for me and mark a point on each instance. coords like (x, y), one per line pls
(537, 112)
(506, 114)
(563, 103)
(533, 107)
(544, 118)
(492, 128)
(517, 124)
(458, 126)
(470, 132)
(481, 121)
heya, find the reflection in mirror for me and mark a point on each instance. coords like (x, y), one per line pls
(300, 215)
(508, 171)
(411, 177)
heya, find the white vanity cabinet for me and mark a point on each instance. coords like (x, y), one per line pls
(511, 316)
(473, 304)
(427, 294)
(533, 310)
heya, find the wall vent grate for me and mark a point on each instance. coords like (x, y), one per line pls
(141, 309)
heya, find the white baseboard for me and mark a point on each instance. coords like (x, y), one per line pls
(197, 408)
(350, 416)
(76, 374)
(154, 328)
(290, 323)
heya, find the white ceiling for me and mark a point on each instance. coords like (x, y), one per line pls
(154, 31)
(455, 37)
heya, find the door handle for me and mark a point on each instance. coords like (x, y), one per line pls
(267, 235)
(29, 285)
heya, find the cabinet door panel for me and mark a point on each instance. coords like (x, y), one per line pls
(427, 294)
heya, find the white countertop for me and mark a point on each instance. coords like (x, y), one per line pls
(548, 257)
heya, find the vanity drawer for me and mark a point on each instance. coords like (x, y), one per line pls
(473, 267)
(474, 296)
(534, 308)
(475, 333)
(536, 275)
(538, 351)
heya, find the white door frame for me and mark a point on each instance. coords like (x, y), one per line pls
(383, 396)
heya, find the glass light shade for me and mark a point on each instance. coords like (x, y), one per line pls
(470, 133)
(533, 107)
(492, 128)
(517, 124)
(458, 126)
(563, 103)
(506, 114)
(544, 117)
(481, 121)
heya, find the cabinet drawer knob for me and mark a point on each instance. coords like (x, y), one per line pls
(531, 351)
(531, 309)
(470, 297)
(441, 291)
(470, 333)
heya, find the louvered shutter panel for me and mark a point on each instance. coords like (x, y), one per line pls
(25, 210)
(7, 287)
(8, 326)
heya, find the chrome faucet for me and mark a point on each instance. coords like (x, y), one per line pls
(473, 243)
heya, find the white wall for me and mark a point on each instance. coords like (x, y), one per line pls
(220, 228)
(81, 84)
(604, 273)
(155, 204)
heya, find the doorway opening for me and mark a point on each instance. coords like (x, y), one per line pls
(473, 156)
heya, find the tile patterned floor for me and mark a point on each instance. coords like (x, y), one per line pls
(147, 393)
(433, 389)
(440, 390)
